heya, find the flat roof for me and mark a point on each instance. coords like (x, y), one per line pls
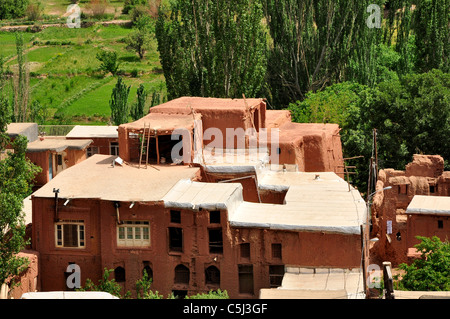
(93, 131)
(30, 130)
(96, 177)
(318, 283)
(429, 205)
(211, 196)
(291, 131)
(57, 144)
(163, 123)
(325, 204)
(184, 104)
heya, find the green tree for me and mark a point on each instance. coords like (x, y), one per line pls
(140, 39)
(411, 115)
(212, 48)
(131, 4)
(143, 288)
(431, 29)
(432, 271)
(16, 175)
(105, 284)
(11, 9)
(313, 42)
(109, 61)
(137, 110)
(327, 106)
(119, 103)
(20, 83)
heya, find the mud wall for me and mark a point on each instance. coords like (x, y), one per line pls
(396, 231)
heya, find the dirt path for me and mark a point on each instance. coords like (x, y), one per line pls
(63, 25)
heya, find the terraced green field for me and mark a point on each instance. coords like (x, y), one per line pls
(65, 76)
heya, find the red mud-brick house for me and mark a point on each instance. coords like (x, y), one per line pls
(416, 205)
(205, 222)
(52, 154)
(104, 138)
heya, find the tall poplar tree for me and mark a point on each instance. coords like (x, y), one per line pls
(119, 103)
(212, 48)
(313, 42)
(16, 174)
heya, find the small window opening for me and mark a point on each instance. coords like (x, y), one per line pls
(119, 274)
(276, 251)
(212, 275)
(245, 250)
(175, 239)
(215, 241)
(182, 275)
(276, 273)
(175, 216)
(214, 217)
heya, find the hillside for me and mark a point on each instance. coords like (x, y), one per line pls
(65, 76)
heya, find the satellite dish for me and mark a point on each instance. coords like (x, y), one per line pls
(119, 161)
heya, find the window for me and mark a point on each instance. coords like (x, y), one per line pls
(214, 217)
(403, 189)
(91, 151)
(245, 250)
(182, 275)
(440, 224)
(276, 273)
(59, 159)
(245, 279)
(175, 239)
(212, 275)
(114, 148)
(215, 241)
(70, 234)
(276, 251)
(133, 233)
(175, 216)
(433, 189)
(119, 274)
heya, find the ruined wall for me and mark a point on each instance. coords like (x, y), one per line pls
(27, 281)
(312, 147)
(423, 176)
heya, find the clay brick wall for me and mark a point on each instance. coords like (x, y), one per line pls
(425, 175)
(101, 249)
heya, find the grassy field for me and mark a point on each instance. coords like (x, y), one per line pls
(65, 75)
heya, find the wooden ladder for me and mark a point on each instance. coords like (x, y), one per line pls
(147, 146)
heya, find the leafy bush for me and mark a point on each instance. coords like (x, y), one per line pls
(11, 9)
(432, 271)
(34, 11)
(105, 284)
(109, 61)
(218, 294)
(130, 4)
